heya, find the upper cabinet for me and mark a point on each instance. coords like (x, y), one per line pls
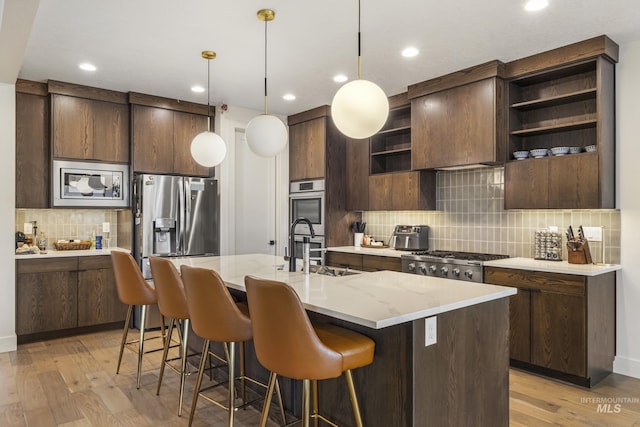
(307, 144)
(459, 119)
(162, 131)
(563, 98)
(33, 162)
(89, 123)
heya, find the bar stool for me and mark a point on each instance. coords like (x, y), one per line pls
(215, 316)
(133, 290)
(288, 344)
(172, 303)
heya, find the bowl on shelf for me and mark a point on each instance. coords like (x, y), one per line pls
(519, 155)
(575, 150)
(560, 151)
(539, 152)
(590, 148)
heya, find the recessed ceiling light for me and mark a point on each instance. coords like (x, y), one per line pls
(340, 78)
(410, 52)
(87, 67)
(197, 89)
(289, 97)
(535, 5)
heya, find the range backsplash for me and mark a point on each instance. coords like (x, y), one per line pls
(470, 216)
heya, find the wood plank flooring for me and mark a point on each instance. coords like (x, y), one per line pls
(71, 382)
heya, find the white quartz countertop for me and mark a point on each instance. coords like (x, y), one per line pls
(368, 251)
(554, 266)
(61, 254)
(375, 300)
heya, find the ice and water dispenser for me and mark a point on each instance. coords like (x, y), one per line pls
(165, 238)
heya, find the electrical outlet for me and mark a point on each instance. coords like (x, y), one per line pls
(430, 331)
(593, 234)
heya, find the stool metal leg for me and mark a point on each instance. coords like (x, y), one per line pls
(273, 378)
(165, 352)
(183, 368)
(306, 391)
(143, 322)
(243, 388)
(314, 388)
(232, 382)
(280, 404)
(354, 399)
(125, 332)
(196, 391)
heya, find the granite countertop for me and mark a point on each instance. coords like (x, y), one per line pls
(369, 251)
(375, 300)
(554, 266)
(52, 253)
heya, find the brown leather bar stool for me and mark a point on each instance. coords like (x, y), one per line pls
(133, 290)
(288, 344)
(172, 303)
(215, 316)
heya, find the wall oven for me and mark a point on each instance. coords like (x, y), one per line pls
(306, 199)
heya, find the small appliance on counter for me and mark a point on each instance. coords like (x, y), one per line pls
(410, 238)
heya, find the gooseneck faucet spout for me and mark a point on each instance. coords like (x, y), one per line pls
(292, 243)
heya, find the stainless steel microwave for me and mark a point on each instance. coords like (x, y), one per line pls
(87, 184)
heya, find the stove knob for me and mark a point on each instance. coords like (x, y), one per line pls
(432, 269)
(423, 270)
(411, 267)
(444, 270)
(468, 274)
(456, 272)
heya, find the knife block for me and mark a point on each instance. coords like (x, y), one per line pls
(580, 255)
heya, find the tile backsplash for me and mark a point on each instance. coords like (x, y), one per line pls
(470, 216)
(69, 224)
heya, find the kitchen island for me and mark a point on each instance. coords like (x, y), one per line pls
(460, 380)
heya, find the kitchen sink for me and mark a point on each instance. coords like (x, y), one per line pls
(333, 272)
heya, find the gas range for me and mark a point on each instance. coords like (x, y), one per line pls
(448, 264)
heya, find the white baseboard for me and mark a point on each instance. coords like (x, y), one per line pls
(8, 343)
(626, 366)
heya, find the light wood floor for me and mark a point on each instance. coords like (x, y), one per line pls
(72, 382)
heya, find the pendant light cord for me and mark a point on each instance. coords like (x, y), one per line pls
(266, 104)
(208, 95)
(359, 43)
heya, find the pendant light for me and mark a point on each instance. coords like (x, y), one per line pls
(359, 108)
(208, 148)
(266, 134)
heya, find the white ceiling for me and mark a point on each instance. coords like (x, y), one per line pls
(153, 46)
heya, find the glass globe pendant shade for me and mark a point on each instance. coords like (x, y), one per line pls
(266, 135)
(208, 149)
(360, 109)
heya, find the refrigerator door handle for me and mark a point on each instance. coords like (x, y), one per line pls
(180, 189)
(187, 216)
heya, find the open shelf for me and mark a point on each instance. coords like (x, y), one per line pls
(562, 127)
(394, 130)
(580, 95)
(387, 152)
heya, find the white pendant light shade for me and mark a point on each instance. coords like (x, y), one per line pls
(266, 135)
(360, 109)
(208, 149)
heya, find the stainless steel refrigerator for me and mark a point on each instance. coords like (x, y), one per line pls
(174, 216)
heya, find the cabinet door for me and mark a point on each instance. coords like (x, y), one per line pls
(186, 126)
(357, 174)
(380, 188)
(32, 151)
(46, 295)
(520, 326)
(307, 150)
(111, 132)
(526, 184)
(405, 190)
(152, 139)
(455, 127)
(379, 263)
(98, 300)
(558, 339)
(342, 259)
(573, 182)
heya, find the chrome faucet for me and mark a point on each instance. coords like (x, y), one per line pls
(292, 243)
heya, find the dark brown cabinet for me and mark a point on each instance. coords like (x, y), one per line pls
(561, 325)
(402, 191)
(563, 98)
(363, 262)
(459, 119)
(61, 294)
(307, 141)
(33, 159)
(162, 131)
(357, 174)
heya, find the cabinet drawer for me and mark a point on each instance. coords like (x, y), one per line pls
(536, 280)
(377, 263)
(94, 262)
(341, 259)
(46, 265)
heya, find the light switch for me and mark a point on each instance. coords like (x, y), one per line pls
(430, 331)
(593, 234)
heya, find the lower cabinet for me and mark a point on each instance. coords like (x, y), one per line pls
(363, 262)
(561, 325)
(55, 294)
